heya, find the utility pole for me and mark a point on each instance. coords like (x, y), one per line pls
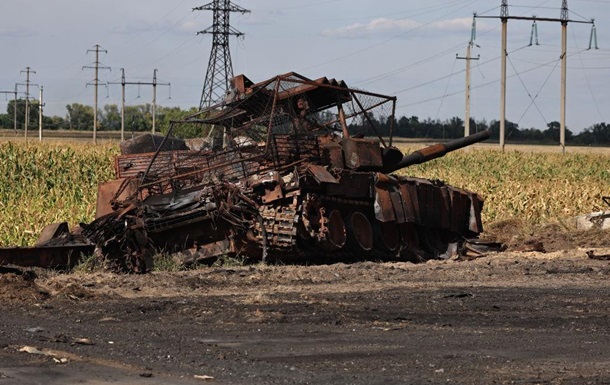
(97, 49)
(564, 20)
(40, 105)
(14, 106)
(154, 84)
(27, 83)
(564, 63)
(220, 68)
(503, 54)
(154, 101)
(468, 58)
(122, 104)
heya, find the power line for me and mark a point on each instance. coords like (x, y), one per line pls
(482, 85)
(532, 98)
(154, 84)
(564, 20)
(587, 80)
(435, 56)
(389, 39)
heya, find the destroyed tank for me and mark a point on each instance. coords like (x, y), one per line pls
(290, 168)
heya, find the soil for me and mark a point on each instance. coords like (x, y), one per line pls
(504, 318)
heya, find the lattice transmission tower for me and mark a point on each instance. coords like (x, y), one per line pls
(220, 68)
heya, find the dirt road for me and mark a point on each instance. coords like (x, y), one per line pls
(508, 318)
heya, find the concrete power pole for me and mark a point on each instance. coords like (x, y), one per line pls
(40, 105)
(564, 59)
(468, 58)
(27, 83)
(122, 104)
(15, 111)
(96, 66)
(503, 54)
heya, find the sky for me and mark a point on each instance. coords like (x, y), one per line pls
(405, 48)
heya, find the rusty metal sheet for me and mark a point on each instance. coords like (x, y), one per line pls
(273, 194)
(407, 203)
(361, 154)
(426, 197)
(132, 165)
(384, 211)
(321, 174)
(47, 257)
(411, 201)
(460, 210)
(51, 231)
(331, 152)
(444, 207)
(397, 203)
(475, 224)
(107, 191)
(291, 148)
(353, 185)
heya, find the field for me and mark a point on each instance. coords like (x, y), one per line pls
(506, 318)
(42, 183)
(47, 183)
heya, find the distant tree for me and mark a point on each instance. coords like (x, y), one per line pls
(169, 114)
(138, 118)
(597, 134)
(403, 127)
(33, 107)
(510, 129)
(110, 119)
(551, 134)
(79, 117)
(455, 128)
(530, 135)
(6, 121)
(55, 123)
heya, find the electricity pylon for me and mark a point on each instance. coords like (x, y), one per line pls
(220, 68)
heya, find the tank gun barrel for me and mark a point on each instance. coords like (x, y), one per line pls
(440, 149)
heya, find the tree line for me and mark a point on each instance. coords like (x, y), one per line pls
(138, 118)
(453, 128)
(79, 117)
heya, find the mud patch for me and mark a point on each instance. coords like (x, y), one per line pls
(545, 238)
(20, 288)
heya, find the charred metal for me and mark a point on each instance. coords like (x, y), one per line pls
(291, 167)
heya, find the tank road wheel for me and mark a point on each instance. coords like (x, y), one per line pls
(333, 230)
(387, 237)
(360, 232)
(328, 230)
(408, 236)
(439, 243)
(312, 217)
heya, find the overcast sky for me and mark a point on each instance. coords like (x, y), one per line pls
(405, 48)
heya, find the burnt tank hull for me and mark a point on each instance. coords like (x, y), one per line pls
(303, 171)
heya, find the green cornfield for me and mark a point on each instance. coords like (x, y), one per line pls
(535, 187)
(55, 182)
(47, 183)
